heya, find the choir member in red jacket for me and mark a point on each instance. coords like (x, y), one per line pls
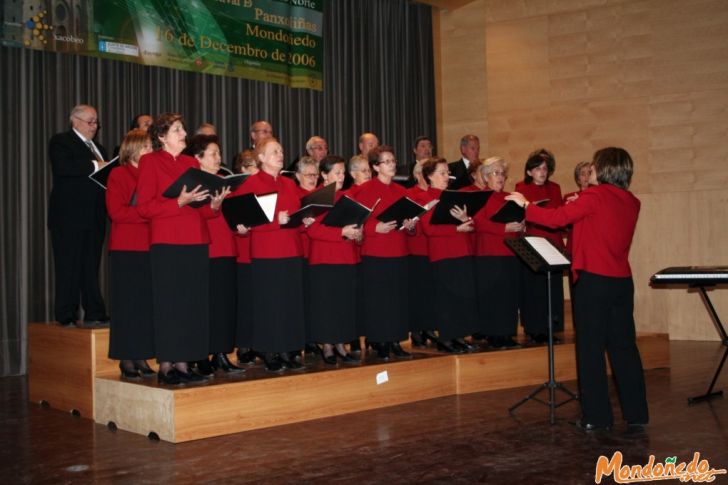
(223, 270)
(384, 298)
(276, 295)
(497, 269)
(604, 218)
(536, 186)
(450, 252)
(179, 251)
(582, 173)
(245, 162)
(475, 174)
(422, 321)
(332, 276)
(131, 336)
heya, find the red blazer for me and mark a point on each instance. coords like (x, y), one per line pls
(443, 240)
(394, 243)
(417, 243)
(472, 188)
(604, 219)
(305, 240)
(170, 224)
(271, 241)
(129, 231)
(222, 239)
(490, 236)
(327, 244)
(552, 191)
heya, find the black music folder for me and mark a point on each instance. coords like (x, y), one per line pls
(512, 212)
(249, 210)
(474, 201)
(347, 211)
(210, 182)
(404, 208)
(538, 253)
(313, 205)
(101, 176)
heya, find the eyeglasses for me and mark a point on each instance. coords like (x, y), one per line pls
(319, 147)
(309, 175)
(89, 122)
(498, 173)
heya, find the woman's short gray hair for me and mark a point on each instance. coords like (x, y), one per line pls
(489, 166)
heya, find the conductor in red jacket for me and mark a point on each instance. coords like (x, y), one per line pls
(604, 218)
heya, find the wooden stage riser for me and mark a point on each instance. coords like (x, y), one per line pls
(196, 412)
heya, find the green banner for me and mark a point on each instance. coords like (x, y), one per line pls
(278, 41)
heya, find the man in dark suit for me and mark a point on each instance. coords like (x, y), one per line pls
(77, 219)
(470, 150)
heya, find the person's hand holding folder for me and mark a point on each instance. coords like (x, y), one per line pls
(217, 199)
(195, 195)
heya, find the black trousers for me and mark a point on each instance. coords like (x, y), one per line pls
(76, 261)
(534, 300)
(603, 318)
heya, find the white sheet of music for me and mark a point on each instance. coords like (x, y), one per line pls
(268, 204)
(547, 251)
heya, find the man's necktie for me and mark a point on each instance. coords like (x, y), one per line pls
(93, 150)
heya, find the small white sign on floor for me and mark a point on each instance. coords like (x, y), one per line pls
(382, 377)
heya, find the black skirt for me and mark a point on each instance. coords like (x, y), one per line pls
(131, 335)
(180, 299)
(497, 282)
(455, 300)
(384, 298)
(277, 305)
(332, 299)
(421, 283)
(534, 300)
(244, 328)
(223, 294)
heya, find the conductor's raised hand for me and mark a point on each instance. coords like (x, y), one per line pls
(518, 198)
(195, 195)
(217, 199)
(385, 227)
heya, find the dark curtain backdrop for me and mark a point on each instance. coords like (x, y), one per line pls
(378, 77)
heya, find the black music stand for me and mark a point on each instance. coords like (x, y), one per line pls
(540, 255)
(710, 394)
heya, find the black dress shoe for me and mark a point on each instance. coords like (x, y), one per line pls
(540, 338)
(204, 368)
(509, 343)
(448, 347)
(329, 359)
(311, 348)
(478, 336)
(590, 427)
(222, 362)
(247, 357)
(289, 361)
(127, 373)
(143, 368)
(398, 351)
(346, 358)
(272, 362)
(189, 377)
(101, 322)
(382, 350)
(465, 346)
(417, 339)
(171, 378)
